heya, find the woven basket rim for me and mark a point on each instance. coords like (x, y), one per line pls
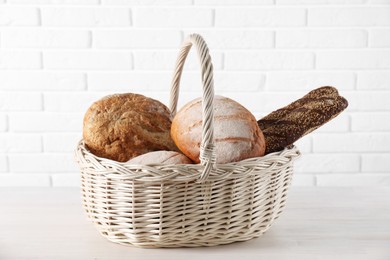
(180, 172)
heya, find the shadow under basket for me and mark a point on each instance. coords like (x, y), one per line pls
(186, 205)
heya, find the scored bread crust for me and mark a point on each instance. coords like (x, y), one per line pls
(123, 126)
(236, 133)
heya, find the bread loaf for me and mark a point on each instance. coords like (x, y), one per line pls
(284, 126)
(122, 126)
(322, 92)
(236, 133)
(161, 157)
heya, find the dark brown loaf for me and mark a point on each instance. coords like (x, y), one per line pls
(322, 92)
(122, 126)
(284, 126)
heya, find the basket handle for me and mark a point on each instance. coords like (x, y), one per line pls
(207, 148)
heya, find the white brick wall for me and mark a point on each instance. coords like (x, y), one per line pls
(363, 59)
(19, 16)
(88, 60)
(166, 17)
(58, 56)
(45, 38)
(265, 60)
(349, 16)
(42, 81)
(255, 17)
(12, 59)
(321, 38)
(85, 17)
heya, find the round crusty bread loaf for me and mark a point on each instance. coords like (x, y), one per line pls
(123, 126)
(161, 157)
(236, 133)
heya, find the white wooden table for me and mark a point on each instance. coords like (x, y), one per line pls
(318, 223)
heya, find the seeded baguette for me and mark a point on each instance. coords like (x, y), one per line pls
(322, 92)
(284, 126)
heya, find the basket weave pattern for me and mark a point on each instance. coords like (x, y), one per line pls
(188, 205)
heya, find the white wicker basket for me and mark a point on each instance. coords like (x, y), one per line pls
(187, 205)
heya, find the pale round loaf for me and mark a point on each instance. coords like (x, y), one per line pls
(161, 157)
(236, 132)
(123, 126)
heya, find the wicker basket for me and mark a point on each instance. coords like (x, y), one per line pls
(186, 205)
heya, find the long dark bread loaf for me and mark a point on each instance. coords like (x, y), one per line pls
(322, 92)
(284, 126)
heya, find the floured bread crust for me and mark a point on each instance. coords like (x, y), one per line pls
(161, 157)
(236, 133)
